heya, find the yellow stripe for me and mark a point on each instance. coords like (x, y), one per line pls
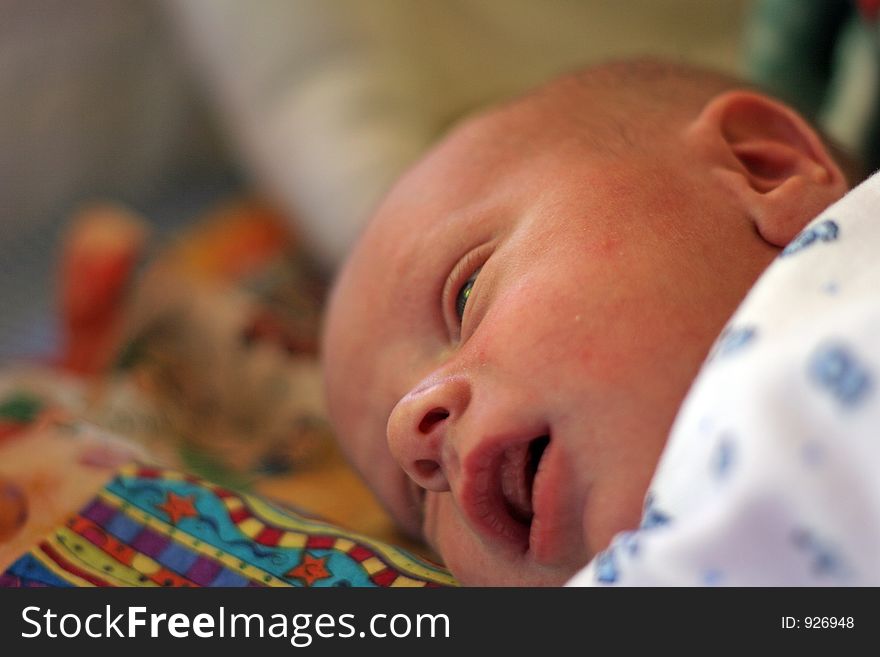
(233, 503)
(405, 582)
(293, 540)
(372, 565)
(144, 564)
(128, 470)
(279, 518)
(251, 527)
(344, 544)
(92, 559)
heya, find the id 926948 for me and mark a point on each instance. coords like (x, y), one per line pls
(817, 622)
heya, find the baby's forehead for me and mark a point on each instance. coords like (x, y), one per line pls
(475, 178)
(472, 181)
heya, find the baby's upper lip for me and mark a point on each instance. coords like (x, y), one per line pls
(506, 507)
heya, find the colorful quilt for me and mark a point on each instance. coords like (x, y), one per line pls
(157, 527)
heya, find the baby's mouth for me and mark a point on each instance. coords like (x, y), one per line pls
(519, 465)
(509, 494)
(516, 492)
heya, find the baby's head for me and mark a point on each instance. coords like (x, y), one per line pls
(509, 343)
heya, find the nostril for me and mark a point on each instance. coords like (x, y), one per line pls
(432, 418)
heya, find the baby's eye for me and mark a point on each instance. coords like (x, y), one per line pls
(464, 293)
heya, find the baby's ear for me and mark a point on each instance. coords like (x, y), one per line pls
(770, 159)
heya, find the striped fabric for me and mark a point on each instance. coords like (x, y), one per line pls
(158, 527)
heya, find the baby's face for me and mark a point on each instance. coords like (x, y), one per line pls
(510, 341)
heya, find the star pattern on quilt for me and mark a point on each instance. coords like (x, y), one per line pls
(310, 569)
(178, 507)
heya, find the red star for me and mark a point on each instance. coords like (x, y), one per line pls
(310, 569)
(178, 507)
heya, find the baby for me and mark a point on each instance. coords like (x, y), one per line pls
(510, 341)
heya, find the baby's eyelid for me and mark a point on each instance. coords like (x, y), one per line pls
(466, 268)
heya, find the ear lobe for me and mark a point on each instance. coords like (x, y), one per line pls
(770, 159)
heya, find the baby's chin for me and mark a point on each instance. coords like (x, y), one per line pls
(473, 567)
(510, 575)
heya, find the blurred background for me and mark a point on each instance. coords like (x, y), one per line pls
(167, 106)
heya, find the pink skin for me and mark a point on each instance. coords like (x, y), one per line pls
(605, 278)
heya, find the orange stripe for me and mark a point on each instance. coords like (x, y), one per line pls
(124, 553)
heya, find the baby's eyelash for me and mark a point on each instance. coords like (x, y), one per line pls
(468, 266)
(464, 293)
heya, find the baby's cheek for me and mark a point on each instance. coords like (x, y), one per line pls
(461, 549)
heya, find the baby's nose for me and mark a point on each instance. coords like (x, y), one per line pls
(419, 428)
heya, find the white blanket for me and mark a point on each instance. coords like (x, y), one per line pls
(772, 471)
